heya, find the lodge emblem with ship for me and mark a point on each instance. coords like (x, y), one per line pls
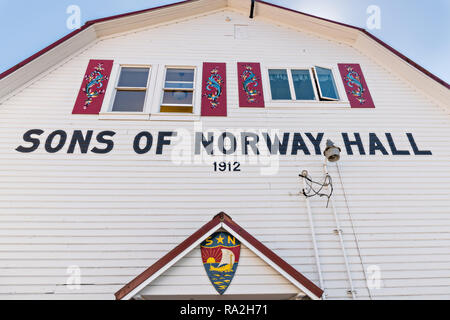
(220, 257)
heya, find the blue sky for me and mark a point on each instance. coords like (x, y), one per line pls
(418, 29)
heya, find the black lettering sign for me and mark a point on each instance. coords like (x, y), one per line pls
(221, 143)
(357, 142)
(148, 142)
(226, 142)
(50, 139)
(277, 146)
(108, 142)
(163, 142)
(27, 137)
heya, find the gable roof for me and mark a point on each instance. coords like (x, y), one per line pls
(224, 221)
(361, 39)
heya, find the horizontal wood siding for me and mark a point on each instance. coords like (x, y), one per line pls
(115, 215)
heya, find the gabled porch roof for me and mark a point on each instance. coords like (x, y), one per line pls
(220, 221)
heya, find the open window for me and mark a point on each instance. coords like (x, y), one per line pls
(326, 84)
(131, 89)
(303, 84)
(178, 90)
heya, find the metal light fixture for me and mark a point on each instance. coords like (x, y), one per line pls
(332, 153)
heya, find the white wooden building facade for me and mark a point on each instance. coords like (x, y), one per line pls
(77, 225)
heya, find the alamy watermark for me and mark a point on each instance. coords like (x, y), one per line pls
(233, 147)
(73, 281)
(74, 20)
(374, 277)
(374, 19)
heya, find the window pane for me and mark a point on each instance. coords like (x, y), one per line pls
(326, 82)
(184, 75)
(129, 101)
(177, 97)
(179, 85)
(133, 77)
(279, 84)
(303, 85)
(177, 109)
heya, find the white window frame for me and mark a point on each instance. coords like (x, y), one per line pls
(291, 85)
(164, 89)
(291, 80)
(270, 103)
(110, 95)
(156, 113)
(319, 87)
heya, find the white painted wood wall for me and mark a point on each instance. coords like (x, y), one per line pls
(115, 215)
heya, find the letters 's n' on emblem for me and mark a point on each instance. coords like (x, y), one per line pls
(220, 256)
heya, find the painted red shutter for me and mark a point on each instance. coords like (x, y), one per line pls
(250, 85)
(214, 90)
(93, 87)
(355, 85)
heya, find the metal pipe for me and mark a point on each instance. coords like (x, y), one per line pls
(354, 232)
(341, 239)
(252, 9)
(316, 251)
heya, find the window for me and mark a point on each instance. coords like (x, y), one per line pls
(279, 84)
(178, 91)
(326, 84)
(303, 85)
(291, 84)
(131, 90)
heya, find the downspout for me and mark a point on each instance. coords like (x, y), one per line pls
(313, 235)
(252, 9)
(341, 238)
